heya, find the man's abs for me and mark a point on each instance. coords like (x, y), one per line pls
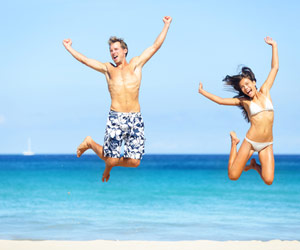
(125, 97)
(124, 86)
(125, 106)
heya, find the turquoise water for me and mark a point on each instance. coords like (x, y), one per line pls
(168, 197)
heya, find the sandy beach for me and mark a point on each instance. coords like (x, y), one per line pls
(145, 245)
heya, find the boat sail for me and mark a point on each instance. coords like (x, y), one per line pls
(28, 152)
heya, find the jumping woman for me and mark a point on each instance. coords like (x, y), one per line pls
(258, 110)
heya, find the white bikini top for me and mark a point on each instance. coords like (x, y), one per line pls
(255, 108)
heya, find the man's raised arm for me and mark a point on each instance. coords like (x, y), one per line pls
(149, 52)
(94, 64)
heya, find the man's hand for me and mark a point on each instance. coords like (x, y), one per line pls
(270, 41)
(200, 88)
(149, 52)
(167, 19)
(67, 43)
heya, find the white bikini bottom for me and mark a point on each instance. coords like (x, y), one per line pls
(258, 146)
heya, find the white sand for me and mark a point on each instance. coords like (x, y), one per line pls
(147, 245)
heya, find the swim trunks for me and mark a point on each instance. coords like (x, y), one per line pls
(127, 127)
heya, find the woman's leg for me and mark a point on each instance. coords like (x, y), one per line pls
(266, 158)
(255, 166)
(237, 160)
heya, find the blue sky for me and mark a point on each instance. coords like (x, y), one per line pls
(56, 101)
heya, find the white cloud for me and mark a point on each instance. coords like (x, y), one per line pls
(2, 119)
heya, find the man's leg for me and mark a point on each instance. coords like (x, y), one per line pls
(128, 162)
(89, 143)
(134, 142)
(118, 162)
(110, 162)
(112, 145)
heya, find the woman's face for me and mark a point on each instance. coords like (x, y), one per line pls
(248, 87)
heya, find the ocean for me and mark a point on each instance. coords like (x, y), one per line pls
(168, 197)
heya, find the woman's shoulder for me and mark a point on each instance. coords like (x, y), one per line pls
(264, 91)
(265, 94)
(245, 101)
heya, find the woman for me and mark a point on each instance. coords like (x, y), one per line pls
(258, 110)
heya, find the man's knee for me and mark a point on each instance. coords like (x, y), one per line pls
(112, 161)
(88, 139)
(135, 163)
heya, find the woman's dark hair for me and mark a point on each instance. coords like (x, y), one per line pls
(234, 82)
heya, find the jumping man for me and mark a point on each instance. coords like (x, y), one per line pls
(125, 122)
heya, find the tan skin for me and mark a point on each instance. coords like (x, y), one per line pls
(124, 80)
(261, 129)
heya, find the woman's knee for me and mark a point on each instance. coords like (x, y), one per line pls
(233, 175)
(268, 179)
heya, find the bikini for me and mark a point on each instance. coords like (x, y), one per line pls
(255, 109)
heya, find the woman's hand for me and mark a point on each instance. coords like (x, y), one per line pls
(270, 41)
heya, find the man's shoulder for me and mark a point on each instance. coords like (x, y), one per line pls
(108, 64)
(134, 60)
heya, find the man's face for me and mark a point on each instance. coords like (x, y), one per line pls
(117, 53)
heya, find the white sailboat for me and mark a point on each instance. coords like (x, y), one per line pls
(28, 152)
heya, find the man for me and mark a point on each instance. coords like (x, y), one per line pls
(125, 122)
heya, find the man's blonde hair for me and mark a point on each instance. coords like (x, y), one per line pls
(114, 39)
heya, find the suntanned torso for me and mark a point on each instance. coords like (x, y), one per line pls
(123, 78)
(124, 83)
(261, 129)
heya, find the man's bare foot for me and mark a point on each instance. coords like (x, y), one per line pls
(106, 174)
(85, 145)
(234, 139)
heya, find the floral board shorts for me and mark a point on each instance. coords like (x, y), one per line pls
(127, 127)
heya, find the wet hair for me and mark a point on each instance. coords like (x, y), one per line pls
(114, 39)
(234, 82)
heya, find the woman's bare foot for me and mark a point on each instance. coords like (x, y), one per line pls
(234, 139)
(253, 165)
(85, 145)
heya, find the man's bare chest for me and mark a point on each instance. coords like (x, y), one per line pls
(124, 76)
